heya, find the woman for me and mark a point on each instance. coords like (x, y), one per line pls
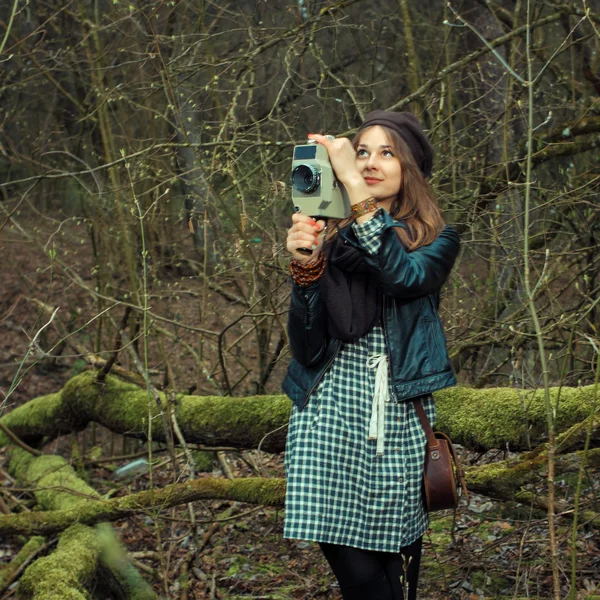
(366, 340)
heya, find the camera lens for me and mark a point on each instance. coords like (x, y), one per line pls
(305, 179)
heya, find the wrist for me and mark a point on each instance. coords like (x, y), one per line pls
(364, 208)
(307, 273)
(356, 182)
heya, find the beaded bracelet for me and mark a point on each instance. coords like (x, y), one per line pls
(363, 207)
(305, 274)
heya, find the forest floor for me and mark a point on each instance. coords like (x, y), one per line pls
(487, 551)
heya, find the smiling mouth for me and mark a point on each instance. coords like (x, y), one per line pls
(372, 180)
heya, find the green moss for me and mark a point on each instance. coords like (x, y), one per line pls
(497, 417)
(122, 407)
(503, 478)
(64, 574)
(57, 484)
(250, 569)
(19, 463)
(251, 420)
(259, 491)
(204, 461)
(31, 419)
(29, 549)
(440, 529)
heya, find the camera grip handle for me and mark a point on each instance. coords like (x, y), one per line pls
(307, 251)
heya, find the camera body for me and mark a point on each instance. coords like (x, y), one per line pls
(315, 190)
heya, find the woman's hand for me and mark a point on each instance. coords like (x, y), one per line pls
(306, 233)
(342, 156)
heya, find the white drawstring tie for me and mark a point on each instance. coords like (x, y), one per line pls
(380, 397)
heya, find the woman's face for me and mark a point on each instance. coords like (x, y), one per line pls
(380, 167)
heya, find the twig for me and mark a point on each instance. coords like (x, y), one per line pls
(14, 499)
(3, 506)
(14, 576)
(225, 465)
(190, 466)
(117, 346)
(17, 441)
(157, 399)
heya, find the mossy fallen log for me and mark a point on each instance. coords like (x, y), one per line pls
(251, 490)
(29, 550)
(502, 480)
(124, 408)
(66, 572)
(508, 418)
(479, 419)
(56, 484)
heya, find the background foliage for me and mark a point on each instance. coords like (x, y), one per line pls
(126, 124)
(145, 150)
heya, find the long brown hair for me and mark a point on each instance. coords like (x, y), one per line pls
(415, 203)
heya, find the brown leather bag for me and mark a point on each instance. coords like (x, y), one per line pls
(443, 473)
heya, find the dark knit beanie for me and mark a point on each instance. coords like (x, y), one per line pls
(408, 128)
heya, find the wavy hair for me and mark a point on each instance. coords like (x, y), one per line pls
(415, 203)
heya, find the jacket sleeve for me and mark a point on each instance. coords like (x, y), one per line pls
(307, 325)
(404, 274)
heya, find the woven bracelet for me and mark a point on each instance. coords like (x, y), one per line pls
(305, 274)
(363, 207)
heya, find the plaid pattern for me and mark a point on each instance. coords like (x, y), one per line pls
(368, 233)
(338, 490)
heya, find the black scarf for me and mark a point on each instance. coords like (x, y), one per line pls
(350, 291)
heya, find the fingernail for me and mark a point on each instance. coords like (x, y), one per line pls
(313, 222)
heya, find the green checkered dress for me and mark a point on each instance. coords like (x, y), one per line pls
(339, 491)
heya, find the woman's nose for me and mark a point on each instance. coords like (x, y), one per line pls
(372, 162)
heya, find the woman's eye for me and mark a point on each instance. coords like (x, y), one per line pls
(388, 153)
(361, 152)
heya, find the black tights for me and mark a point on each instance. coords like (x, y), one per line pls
(369, 575)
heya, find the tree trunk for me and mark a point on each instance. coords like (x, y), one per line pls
(479, 419)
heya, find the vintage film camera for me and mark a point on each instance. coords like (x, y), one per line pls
(315, 190)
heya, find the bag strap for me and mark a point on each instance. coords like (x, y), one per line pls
(431, 439)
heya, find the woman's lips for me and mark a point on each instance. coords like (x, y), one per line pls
(372, 180)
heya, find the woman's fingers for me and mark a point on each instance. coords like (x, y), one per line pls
(300, 218)
(325, 140)
(306, 234)
(341, 154)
